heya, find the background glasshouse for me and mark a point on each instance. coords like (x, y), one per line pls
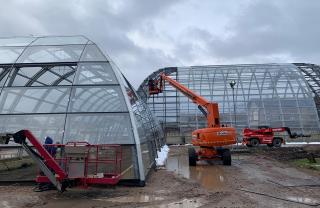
(65, 88)
(275, 95)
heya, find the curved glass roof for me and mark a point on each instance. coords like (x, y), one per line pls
(48, 49)
(66, 88)
(265, 95)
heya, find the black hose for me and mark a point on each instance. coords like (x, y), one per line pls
(289, 186)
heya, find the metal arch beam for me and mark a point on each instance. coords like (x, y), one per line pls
(316, 69)
(309, 75)
(5, 71)
(48, 68)
(13, 76)
(64, 77)
(314, 78)
(38, 75)
(59, 75)
(45, 67)
(19, 65)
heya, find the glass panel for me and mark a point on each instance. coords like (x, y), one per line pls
(48, 77)
(102, 128)
(147, 126)
(4, 72)
(146, 152)
(21, 41)
(306, 102)
(95, 73)
(92, 53)
(20, 81)
(60, 40)
(34, 100)
(40, 125)
(28, 71)
(288, 103)
(20, 77)
(58, 75)
(42, 76)
(9, 54)
(40, 54)
(97, 99)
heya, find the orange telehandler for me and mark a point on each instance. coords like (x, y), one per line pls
(211, 139)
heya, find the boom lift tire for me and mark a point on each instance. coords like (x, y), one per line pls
(254, 142)
(226, 157)
(277, 141)
(193, 157)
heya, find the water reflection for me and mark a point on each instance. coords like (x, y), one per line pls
(185, 203)
(210, 176)
(304, 200)
(126, 199)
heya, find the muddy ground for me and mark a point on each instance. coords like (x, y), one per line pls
(260, 178)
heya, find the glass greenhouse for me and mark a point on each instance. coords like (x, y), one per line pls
(66, 88)
(273, 95)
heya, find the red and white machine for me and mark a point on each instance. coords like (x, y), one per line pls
(265, 135)
(73, 164)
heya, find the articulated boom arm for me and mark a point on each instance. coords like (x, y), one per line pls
(211, 110)
(44, 160)
(283, 129)
(197, 99)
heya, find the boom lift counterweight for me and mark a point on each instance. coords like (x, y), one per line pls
(211, 139)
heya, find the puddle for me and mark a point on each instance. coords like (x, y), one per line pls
(179, 165)
(304, 200)
(209, 176)
(185, 203)
(128, 199)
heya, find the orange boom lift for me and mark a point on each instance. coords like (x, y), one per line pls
(211, 139)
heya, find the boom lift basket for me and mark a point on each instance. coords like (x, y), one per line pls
(73, 163)
(87, 164)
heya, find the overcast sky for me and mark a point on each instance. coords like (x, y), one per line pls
(142, 36)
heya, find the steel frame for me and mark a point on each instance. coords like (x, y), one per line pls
(302, 75)
(311, 73)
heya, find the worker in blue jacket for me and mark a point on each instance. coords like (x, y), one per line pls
(49, 147)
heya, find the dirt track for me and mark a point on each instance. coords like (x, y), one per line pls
(202, 186)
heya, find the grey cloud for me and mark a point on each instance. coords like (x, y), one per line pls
(261, 31)
(267, 28)
(97, 20)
